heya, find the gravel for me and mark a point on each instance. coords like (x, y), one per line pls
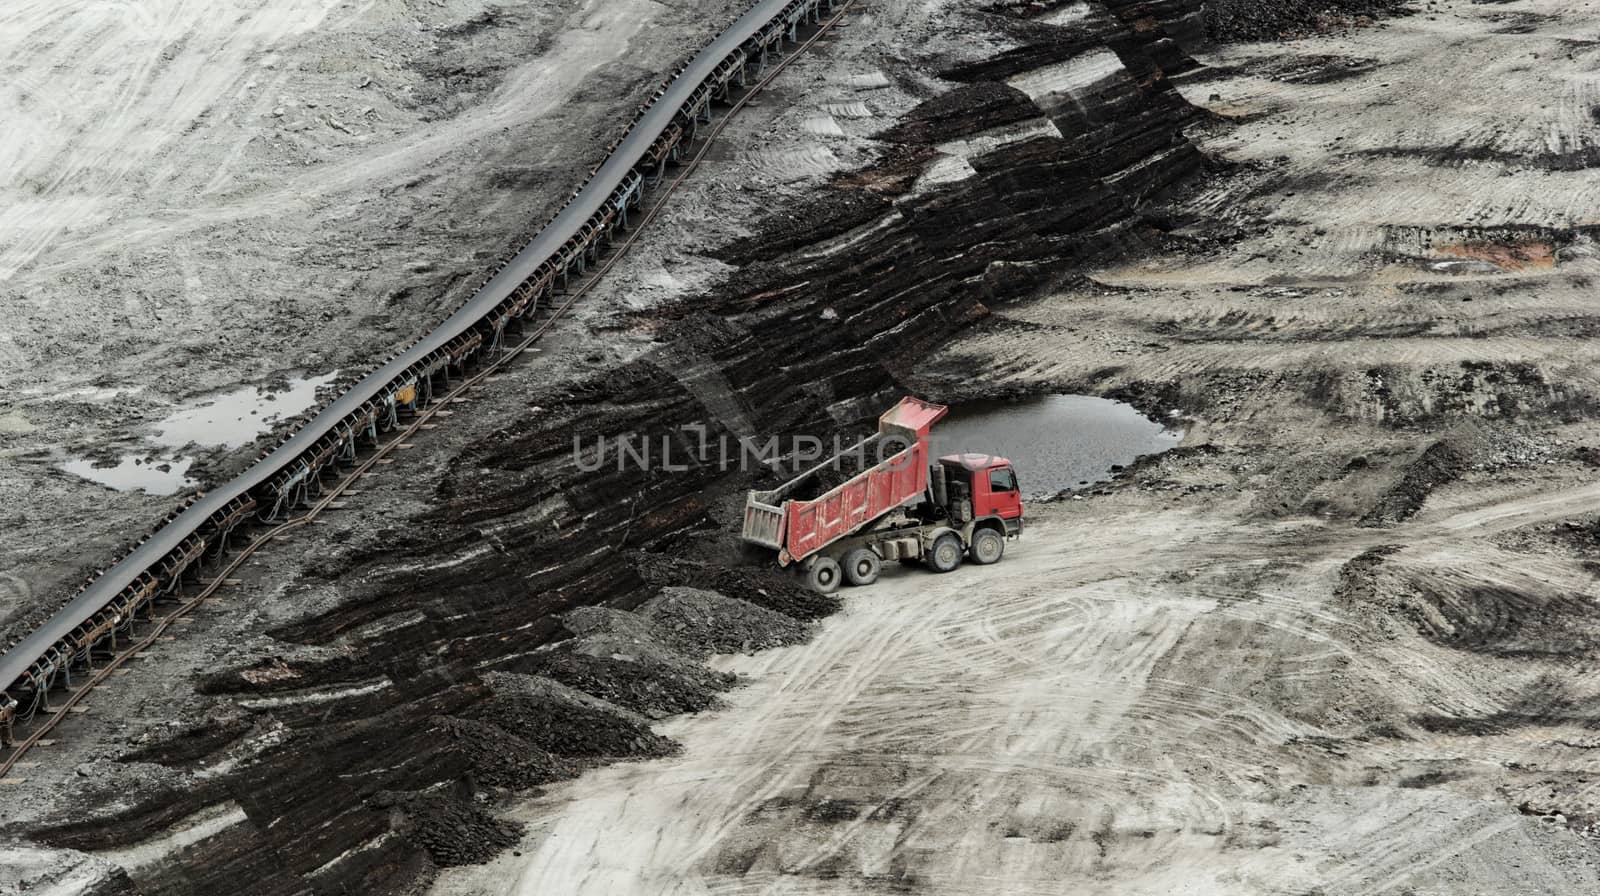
(701, 623)
(1247, 20)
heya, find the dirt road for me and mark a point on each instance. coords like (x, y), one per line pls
(1092, 716)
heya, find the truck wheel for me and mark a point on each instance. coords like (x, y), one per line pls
(861, 566)
(823, 576)
(945, 555)
(987, 547)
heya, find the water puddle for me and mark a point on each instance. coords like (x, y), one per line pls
(1058, 442)
(234, 419)
(154, 476)
(230, 419)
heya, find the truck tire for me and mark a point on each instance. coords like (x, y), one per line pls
(945, 555)
(861, 566)
(988, 546)
(823, 575)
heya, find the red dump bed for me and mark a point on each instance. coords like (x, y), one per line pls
(798, 529)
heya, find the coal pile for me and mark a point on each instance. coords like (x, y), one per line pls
(651, 688)
(764, 586)
(499, 758)
(454, 832)
(556, 718)
(620, 628)
(701, 623)
(1247, 20)
(1441, 463)
(842, 469)
(630, 636)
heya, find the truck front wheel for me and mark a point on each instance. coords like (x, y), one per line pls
(861, 566)
(945, 555)
(823, 575)
(988, 546)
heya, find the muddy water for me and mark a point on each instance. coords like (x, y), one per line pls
(1058, 442)
(156, 476)
(227, 419)
(236, 418)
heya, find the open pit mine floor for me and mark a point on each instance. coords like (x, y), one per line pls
(1090, 716)
(1342, 642)
(1339, 640)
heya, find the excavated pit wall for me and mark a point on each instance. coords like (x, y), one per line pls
(846, 292)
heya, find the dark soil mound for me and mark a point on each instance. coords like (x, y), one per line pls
(567, 723)
(1499, 621)
(652, 689)
(704, 622)
(1245, 20)
(1358, 578)
(454, 832)
(499, 758)
(1441, 463)
(763, 587)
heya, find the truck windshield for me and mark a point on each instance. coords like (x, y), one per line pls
(1002, 480)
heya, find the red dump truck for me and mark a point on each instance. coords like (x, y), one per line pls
(900, 506)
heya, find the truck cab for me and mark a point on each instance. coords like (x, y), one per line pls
(989, 484)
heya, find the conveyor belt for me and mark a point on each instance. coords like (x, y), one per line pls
(677, 102)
